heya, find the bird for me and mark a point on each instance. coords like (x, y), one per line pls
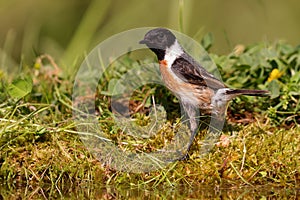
(190, 82)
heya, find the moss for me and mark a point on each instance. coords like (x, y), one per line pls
(41, 147)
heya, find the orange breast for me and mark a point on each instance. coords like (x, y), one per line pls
(173, 83)
(183, 90)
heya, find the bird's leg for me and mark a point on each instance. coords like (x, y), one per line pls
(214, 131)
(213, 134)
(215, 128)
(191, 113)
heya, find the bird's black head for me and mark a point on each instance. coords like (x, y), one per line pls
(158, 40)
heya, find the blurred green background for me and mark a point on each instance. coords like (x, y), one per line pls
(66, 29)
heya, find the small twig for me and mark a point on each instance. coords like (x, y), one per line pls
(254, 173)
(143, 102)
(154, 106)
(244, 155)
(62, 148)
(239, 175)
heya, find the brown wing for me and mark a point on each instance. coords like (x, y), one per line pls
(191, 72)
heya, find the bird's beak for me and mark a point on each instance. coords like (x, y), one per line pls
(143, 41)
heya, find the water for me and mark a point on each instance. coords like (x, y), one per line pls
(98, 192)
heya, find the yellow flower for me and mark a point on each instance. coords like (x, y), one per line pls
(37, 65)
(275, 74)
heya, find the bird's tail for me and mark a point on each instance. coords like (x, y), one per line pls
(248, 92)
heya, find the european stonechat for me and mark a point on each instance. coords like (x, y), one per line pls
(188, 80)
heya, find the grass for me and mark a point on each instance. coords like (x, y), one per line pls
(40, 147)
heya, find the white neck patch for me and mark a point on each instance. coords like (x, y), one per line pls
(173, 52)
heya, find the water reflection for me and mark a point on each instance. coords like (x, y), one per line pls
(100, 192)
